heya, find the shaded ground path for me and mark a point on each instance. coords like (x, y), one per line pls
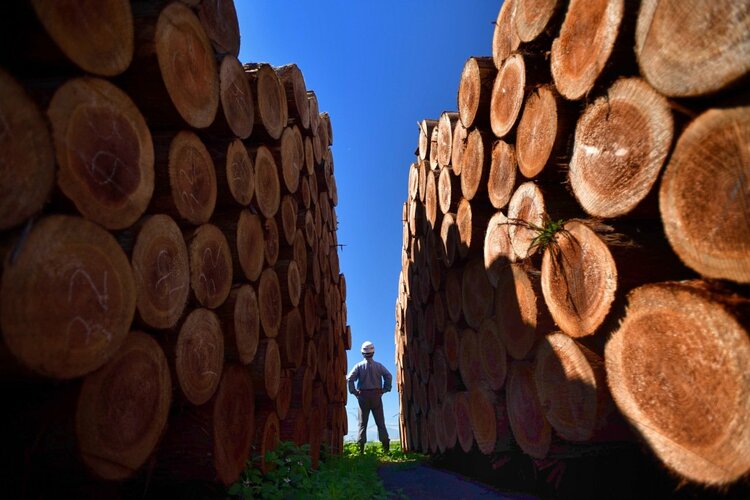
(421, 481)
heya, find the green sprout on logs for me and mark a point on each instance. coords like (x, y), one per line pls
(545, 234)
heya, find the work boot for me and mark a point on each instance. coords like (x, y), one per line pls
(361, 448)
(386, 446)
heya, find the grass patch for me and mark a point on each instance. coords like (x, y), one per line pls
(350, 475)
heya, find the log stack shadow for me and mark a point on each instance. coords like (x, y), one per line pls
(573, 284)
(171, 300)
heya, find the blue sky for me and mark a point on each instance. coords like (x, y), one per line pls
(377, 67)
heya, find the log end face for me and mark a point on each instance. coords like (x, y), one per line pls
(199, 356)
(192, 178)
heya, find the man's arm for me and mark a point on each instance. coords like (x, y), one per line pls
(387, 379)
(351, 378)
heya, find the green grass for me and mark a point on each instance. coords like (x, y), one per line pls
(350, 475)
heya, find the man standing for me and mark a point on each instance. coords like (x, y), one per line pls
(373, 380)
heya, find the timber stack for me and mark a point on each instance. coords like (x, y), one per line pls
(171, 302)
(576, 244)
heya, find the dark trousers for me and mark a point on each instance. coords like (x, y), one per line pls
(370, 401)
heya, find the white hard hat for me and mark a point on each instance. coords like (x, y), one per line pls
(368, 347)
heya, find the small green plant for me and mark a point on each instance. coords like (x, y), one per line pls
(545, 234)
(291, 476)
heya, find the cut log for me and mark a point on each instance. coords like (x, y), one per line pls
(542, 131)
(296, 94)
(579, 279)
(451, 346)
(498, 251)
(302, 390)
(292, 157)
(193, 187)
(266, 368)
(291, 339)
(516, 311)
(299, 255)
(449, 239)
(187, 65)
(507, 95)
(425, 136)
(123, 407)
(309, 160)
(267, 187)
(585, 43)
(704, 197)
(567, 387)
(290, 284)
(431, 200)
(211, 442)
(477, 293)
(621, 142)
(270, 99)
(161, 272)
(413, 185)
(250, 244)
(438, 309)
(475, 90)
(534, 17)
(312, 102)
(235, 95)
(269, 302)
(492, 356)
(469, 364)
(453, 295)
(677, 368)
(283, 401)
(470, 225)
(423, 168)
(96, 36)
(530, 428)
(462, 409)
(526, 215)
(433, 160)
(504, 37)
(445, 137)
(24, 140)
(210, 265)
(448, 414)
(475, 164)
(460, 136)
(707, 51)
(310, 313)
(502, 176)
(219, 19)
(104, 149)
(288, 216)
(483, 420)
(238, 173)
(199, 356)
(271, 242)
(240, 317)
(67, 297)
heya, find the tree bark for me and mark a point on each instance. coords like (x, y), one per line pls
(705, 188)
(105, 151)
(685, 390)
(67, 297)
(199, 356)
(24, 140)
(123, 407)
(609, 178)
(161, 272)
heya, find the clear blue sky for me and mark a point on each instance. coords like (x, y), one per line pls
(377, 67)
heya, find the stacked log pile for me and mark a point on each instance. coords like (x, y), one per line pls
(576, 242)
(171, 300)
